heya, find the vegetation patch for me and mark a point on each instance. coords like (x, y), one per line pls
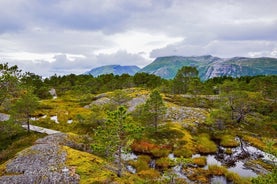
(230, 176)
(149, 174)
(200, 161)
(21, 142)
(142, 163)
(228, 141)
(92, 169)
(205, 145)
(164, 163)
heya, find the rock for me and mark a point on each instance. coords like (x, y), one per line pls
(132, 104)
(4, 117)
(41, 163)
(53, 92)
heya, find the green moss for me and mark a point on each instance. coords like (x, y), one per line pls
(205, 145)
(164, 163)
(182, 152)
(90, 168)
(142, 163)
(158, 152)
(222, 171)
(149, 174)
(228, 141)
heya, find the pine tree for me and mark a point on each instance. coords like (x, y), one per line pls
(114, 136)
(154, 110)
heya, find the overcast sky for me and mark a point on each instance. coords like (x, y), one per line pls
(50, 37)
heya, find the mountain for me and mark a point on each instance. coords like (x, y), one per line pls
(114, 69)
(209, 66)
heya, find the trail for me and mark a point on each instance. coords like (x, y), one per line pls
(41, 129)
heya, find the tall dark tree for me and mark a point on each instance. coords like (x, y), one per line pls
(183, 78)
(154, 110)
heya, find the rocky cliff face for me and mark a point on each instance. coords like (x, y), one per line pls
(209, 66)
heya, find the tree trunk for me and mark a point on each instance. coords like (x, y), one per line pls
(119, 169)
(28, 124)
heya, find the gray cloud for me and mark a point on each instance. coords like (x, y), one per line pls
(70, 36)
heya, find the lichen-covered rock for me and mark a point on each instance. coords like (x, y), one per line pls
(43, 163)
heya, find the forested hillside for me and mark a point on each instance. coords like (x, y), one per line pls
(138, 129)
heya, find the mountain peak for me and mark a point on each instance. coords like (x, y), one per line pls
(114, 69)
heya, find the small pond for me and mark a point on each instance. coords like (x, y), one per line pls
(235, 162)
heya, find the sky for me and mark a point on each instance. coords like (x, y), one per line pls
(48, 37)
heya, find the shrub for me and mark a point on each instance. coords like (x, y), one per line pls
(158, 152)
(205, 145)
(217, 170)
(183, 152)
(164, 163)
(149, 174)
(200, 161)
(228, 141)
(142, 163)
(143, 147)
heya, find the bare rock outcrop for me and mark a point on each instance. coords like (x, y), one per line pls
(43, 163)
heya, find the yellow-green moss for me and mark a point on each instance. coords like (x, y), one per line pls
(90, 167)
(3, 169)
(199, 161)
(231, 176)
(142, 163)
(164, 163)
(149, 174)
(205, 145)
(228, 141)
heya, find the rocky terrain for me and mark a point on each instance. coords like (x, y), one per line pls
(44, 162)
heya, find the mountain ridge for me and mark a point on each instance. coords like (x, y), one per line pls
(208, 66)
(114, 69)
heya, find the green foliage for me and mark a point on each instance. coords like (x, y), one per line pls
(205, 145)
(115, 135)
(9, 83)
(24, 107)
(184, 80)
(9, 131)
(147, 80)
(15, 143)
(154, 110)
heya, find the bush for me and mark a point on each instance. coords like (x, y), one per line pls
(142, 163)
(164, 163)
(183, 152)
(228, 141)
(149, 174)
(205, 145)
(200, 161)
(158, 152)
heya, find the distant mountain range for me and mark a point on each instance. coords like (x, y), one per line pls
(208, 67)
(115, 69)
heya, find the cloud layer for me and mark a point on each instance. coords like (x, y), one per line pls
(69, 36)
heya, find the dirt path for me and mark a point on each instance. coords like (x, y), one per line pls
(41, 129)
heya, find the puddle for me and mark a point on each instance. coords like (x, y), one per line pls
(240, 169)
(54, 118)
(219, 180)
(69, 121)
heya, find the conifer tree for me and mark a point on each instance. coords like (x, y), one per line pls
(154, 110)
(114, 136)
